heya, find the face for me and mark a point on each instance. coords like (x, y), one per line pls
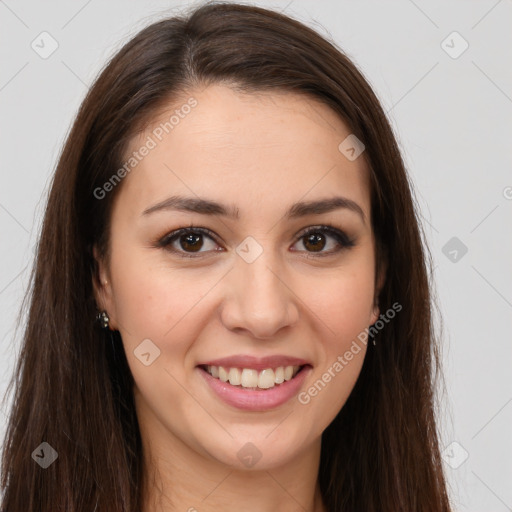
(255, 284)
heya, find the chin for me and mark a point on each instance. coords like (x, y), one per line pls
(258, 450)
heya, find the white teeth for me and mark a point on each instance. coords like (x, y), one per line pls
(223, 374)
(235, 377)
(279, 375)
(266, 379)
(250, 378)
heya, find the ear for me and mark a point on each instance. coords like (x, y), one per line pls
(379, 283)
(102, 288)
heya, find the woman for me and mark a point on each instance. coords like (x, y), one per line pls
(230, 306)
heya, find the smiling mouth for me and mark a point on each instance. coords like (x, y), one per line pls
(250, 378)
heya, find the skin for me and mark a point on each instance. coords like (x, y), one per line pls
(261, 152)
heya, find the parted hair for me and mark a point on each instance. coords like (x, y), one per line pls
(72, 386)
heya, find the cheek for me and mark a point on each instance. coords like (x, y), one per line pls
(154, 303)
(344, 302)
(161, 303)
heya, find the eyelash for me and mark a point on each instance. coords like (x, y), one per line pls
(343, 240)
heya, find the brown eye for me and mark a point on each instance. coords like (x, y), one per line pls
(316, 239)
(315, 242)
(187, 241)
(192, 242)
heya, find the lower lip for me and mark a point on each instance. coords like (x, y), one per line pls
(256, 400)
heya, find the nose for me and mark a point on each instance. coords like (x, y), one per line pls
(258, 300)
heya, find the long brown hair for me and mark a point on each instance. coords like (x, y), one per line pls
(73, 386)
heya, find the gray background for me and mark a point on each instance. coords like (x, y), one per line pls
(452, 117)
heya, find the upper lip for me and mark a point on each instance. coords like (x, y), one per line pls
(255, 363)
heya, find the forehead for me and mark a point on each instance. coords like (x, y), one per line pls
(259, 150)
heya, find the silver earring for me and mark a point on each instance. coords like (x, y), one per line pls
(103, 319)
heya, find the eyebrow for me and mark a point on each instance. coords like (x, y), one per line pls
(297, 210)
